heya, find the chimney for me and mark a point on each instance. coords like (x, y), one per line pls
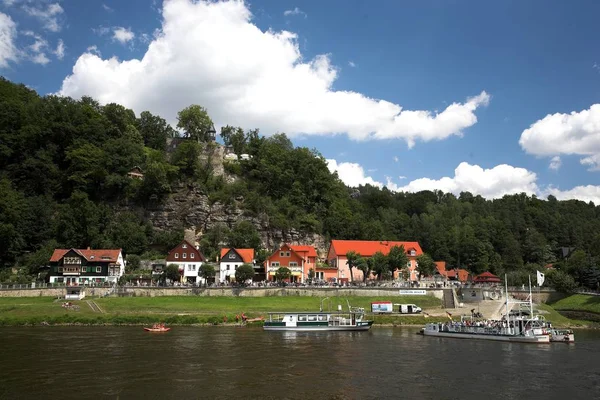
(88, 248)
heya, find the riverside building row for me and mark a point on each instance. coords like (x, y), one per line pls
(87, 266)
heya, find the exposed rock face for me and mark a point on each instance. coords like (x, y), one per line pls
(189, 208)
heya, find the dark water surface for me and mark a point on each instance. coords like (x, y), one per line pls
(218, 362)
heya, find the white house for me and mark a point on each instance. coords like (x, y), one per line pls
(231, 259)
(189, 259)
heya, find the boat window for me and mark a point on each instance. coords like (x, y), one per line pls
(322, 317)
(302, 318)
(312, 318)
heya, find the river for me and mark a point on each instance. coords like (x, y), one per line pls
(238, 362)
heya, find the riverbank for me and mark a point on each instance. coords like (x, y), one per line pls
(179, 310)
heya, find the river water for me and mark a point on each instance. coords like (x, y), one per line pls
(239, 362)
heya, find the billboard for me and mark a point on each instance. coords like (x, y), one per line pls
(382, 307)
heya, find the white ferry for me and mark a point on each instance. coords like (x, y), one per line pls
(306, 321)
(521, 327)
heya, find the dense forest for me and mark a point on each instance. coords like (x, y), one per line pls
(64, 183)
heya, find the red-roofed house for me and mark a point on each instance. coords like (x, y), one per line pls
(339, 248)
(231, 259)
(298, 259)
(487, 277)
(189, 259)
(461, 275)
(86, 266)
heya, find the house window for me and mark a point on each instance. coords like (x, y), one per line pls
(191, 255)
(228, 267)
(281, 254)
(287, 253)
(193, 267)
(184, 246)
(413, 253)
(98, 270)
(293, 264)
(83, 269)
(232, 256)
(60, 269)
(184, 255)
(275, 264)
(176, 255)
(408, 264)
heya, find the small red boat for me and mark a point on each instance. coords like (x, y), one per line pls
(157, 328)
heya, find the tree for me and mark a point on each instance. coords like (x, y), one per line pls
(207, 271)
(234, 137)
(366, 266)
(172, 272)
(244, 236)
(282, 274)
(311, 275)
(244, 273)
(380, 264)
(133, 262)
(397, 258)
(425, 265)
(352, 258)
(196, 123)
(154, 130)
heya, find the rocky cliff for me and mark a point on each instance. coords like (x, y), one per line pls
(190, 208)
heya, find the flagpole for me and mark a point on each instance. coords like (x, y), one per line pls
(530, 297)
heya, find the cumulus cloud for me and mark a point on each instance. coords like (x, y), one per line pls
(489, 183)
(584, 193)
(295, 11)
(555, 163)
(107, 8)
(351, 174)
(352, 64)
(49, 16)
(123, 35)
(593, 162)
(210, 53)
(574, 133)
(8, 34)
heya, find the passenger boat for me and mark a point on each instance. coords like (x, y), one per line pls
(157, 328)
(562, 335)
(305, 321)
(520, 327)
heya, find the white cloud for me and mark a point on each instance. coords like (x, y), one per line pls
(101, 30)
(210, 53)
(584, 193)
(40, 58)
(93, 50)
(574, 133)
(8, 34)
(593, 162)
(489, 183)
(60, 50)
(107, 8)
(351, 174)
(295, 11)
(396, 159)
(555, 163)
(123, 35)
(352, 64)
(49, 16)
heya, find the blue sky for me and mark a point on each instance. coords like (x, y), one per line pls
(370, 85)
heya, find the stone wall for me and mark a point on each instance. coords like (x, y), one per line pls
(228, 291)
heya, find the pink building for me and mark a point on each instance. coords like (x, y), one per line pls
(338, 249)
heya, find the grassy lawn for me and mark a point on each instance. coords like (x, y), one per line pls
(559, 320)
(578, 302)
(184, 309)
(226, 304)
